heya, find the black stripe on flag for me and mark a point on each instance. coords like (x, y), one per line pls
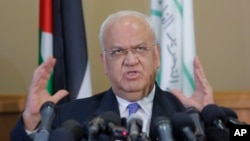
(70, 46)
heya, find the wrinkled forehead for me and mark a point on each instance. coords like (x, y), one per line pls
(134, 20)
(128, 24)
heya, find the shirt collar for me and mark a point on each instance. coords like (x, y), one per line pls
(146, 103)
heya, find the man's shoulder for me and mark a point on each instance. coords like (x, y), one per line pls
(95, 99)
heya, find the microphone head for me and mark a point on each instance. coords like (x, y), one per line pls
(191, 110)
(182, 120)
(135, 117)
(156, 124)
(48, 104)
(229, 113)
(113, 126)
(61, 134)
(160, 120)
(111, 117)
(74, 127)
(134, 126)
(211, 113)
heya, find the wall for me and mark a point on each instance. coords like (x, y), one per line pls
(221, 28)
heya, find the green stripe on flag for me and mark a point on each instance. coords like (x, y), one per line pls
(156, 13)
(40, 61)
(179, 7)
(189, 77)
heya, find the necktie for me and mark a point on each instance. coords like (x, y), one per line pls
(132, 108)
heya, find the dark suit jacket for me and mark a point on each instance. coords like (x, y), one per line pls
(83, 110)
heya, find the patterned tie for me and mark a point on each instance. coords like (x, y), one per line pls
(132, 108)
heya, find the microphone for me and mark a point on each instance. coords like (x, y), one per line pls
(114, 126)
(213, 116)
(134, 126)
(232, 118)
(61, 134)
(199, 125)
(214, 119)
(47, 112)
(108, 123)
(161, 129)
(184, 125)
(75, 128)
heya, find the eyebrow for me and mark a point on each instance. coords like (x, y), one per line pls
(120, 47)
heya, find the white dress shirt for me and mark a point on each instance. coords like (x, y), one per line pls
(145, 111)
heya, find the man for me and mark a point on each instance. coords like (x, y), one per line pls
(130, 56)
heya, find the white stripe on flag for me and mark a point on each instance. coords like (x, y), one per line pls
(46, 45)
(85, 89)
(174, 28)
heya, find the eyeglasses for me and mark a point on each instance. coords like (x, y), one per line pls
(119, 53)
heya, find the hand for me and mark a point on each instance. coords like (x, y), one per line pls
(38, 94)
(203, 94)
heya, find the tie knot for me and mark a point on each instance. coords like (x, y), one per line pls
(132, 108)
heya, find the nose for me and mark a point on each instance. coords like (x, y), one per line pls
(131, 58)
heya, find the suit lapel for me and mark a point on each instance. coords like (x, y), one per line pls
(108, 103)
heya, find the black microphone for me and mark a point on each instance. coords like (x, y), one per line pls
(75, 128)
(184, 125)
(161, 129)
(61, 134)
(134, 126)
(47, 112)
(114, 126)
(214, 120)
(108, 123)
(213, 116)
(232, 117)
(199, 125)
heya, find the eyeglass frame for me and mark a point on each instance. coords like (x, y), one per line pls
(124, 52)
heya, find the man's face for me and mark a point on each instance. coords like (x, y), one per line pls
(131, 58)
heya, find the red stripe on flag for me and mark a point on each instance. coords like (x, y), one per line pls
(45, 16)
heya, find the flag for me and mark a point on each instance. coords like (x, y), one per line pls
(45, 35)
(69, 47)
(173, 22)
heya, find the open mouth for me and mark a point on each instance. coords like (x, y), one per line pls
(132, 75)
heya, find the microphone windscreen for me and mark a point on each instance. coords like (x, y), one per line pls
(229, 113)
(211, 113)
(111, 117)
(74, 127)
(48, 104)
(61, 134)
(182, 120)
(217, 134)
(133, 117)
(161, 120)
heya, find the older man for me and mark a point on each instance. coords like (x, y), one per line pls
(130, 56)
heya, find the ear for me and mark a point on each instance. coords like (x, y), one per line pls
(158, 55)
(103, 60)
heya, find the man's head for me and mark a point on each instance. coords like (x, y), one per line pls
(130, 54)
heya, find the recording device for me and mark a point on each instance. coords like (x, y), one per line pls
(213, 116)
(134, 126)
(114, 126)
(232, 118)
(215, 119)
(199, 125)
(75, 128)
(184, 125)
(108, 123)
(161, 129)
(47, 113)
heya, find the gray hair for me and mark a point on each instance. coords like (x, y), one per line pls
(125, 13)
